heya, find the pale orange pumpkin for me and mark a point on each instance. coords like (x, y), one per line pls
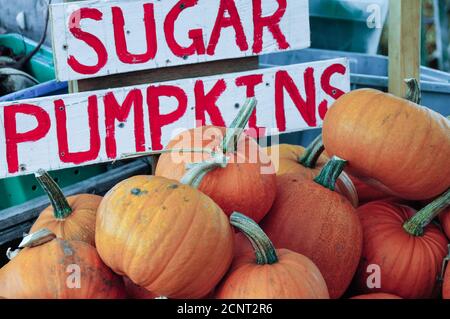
(401, 147)
(44, 272)
(71, 218)
(273, 274)
(167, 237)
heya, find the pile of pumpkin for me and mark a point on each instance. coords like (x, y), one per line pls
(312, 223)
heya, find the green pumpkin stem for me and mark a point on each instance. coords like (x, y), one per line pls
(196, 171)
(331, 172)
(264, 250)
(413, 93)
(61, 208)
(416, 224)
(312, 153)
(234, 131)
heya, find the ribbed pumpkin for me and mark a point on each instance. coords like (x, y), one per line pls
(402, 147)
(246, 183)
(167, 237)
(377, 296)
(310, 218)
(136, 292)
(70, 219)
(444, 217)
(273, 274)
(407, 248)
(43, 272)
(295, 159)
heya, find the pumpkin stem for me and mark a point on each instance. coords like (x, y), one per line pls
(196, 171)
(413, 93)
(40, 237)
(61, 208)
(312, 153)
(172, 150)
(234, 131)
(331, 172)
(416, 224)
(264, 250)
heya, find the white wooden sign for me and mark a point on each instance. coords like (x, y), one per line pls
(91, 127)
(94, 38)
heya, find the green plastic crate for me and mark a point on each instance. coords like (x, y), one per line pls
(41, 65)
(17, 190)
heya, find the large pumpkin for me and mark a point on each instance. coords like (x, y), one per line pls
(295, 159)
(406, 248)
(444, 217)
(59, 269)
(246, 183)
(310, 218)
(70, 219)
(167, 237)
(273, 274)
(402, 147)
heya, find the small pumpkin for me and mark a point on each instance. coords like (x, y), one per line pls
(377, 296)
(245, 183)
(134, 291)
(444, 217)
(43, 270)
(310, 218)
(165, 236)
(401, 147)
(71, 218)
(309, 161)
(273, 274)
(406, 246)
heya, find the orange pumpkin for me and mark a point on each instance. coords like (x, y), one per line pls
(44, 272)
(294, 159)
(70, 219)
(274, 274)
(377, 296)
(444, 217)
(310, 218)
(167, 237)
(136, 292)
(245, 183)
(402, 147)
(404, 245)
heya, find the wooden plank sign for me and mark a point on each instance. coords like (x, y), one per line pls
(94, 38)
(99, 126)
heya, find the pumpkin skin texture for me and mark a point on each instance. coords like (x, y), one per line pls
(167, 237)
(136, 292)
(316, 222)
(79, 225)
(409, 264)
(444, 217)
(377, 296)
(402, 147)
(42, 273)
(269, 273)
(240, 186)
(285, 159)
